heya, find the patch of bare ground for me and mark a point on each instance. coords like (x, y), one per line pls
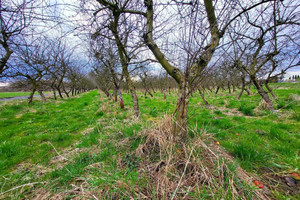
(230, 111)
(201, 165)
(283, 88)
(295, 97)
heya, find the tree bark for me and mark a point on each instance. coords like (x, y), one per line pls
(241, 93)
(54, 93)
(180, 129)
(203, 98)
(228, 85)
(262, 92)
(59, 92)
(243, 86)
(120, 98)
(115, 95)
(5, 58)
(270, 90)
(125, 60)
(248, 91)
(218, 88)
(42, 95)
(181, 117)
(132, 92)
(149, 92)
(30, 98)
(64, 89)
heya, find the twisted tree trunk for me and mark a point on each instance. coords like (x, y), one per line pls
(262, 93)
(30, 98)
(120, 98)
(42, 95)
(54, 93)
(270, 90)
(180, 128)
(203, 98)
(132, 92)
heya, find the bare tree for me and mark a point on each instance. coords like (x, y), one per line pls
(114, 22)
(202, 28)
(32, 63)
(15, 17)
(143, 74)
(106, 54)
(263, 40)
(61, 57)
(197, 58)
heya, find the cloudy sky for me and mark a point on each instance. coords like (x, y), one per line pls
(72, 24)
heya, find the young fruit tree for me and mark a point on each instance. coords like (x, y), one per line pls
(263, 48)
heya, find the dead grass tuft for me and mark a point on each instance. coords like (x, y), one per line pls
(88, 130)
(191, 169)
(294, 97)
(104, 108)
(261, 106)
(77, 191)
(158, 139)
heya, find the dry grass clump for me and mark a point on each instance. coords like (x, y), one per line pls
(77, 192)
(187, 171)
(262, 105)
(294, 97)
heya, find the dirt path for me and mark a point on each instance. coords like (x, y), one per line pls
(21, 97)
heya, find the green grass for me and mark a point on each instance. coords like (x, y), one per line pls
(16, 94)
(27, 130)
(106, 158)
(13, 94)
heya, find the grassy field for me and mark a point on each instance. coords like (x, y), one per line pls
(91, 149)
(13, 94)
(17, 94)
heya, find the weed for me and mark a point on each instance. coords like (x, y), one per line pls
(99, 113)
(131, 161)
(223, 123)
(91, 139)
(217, 112)
(246, 109)
(153, 112)
(296, 116)
(248, 154)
